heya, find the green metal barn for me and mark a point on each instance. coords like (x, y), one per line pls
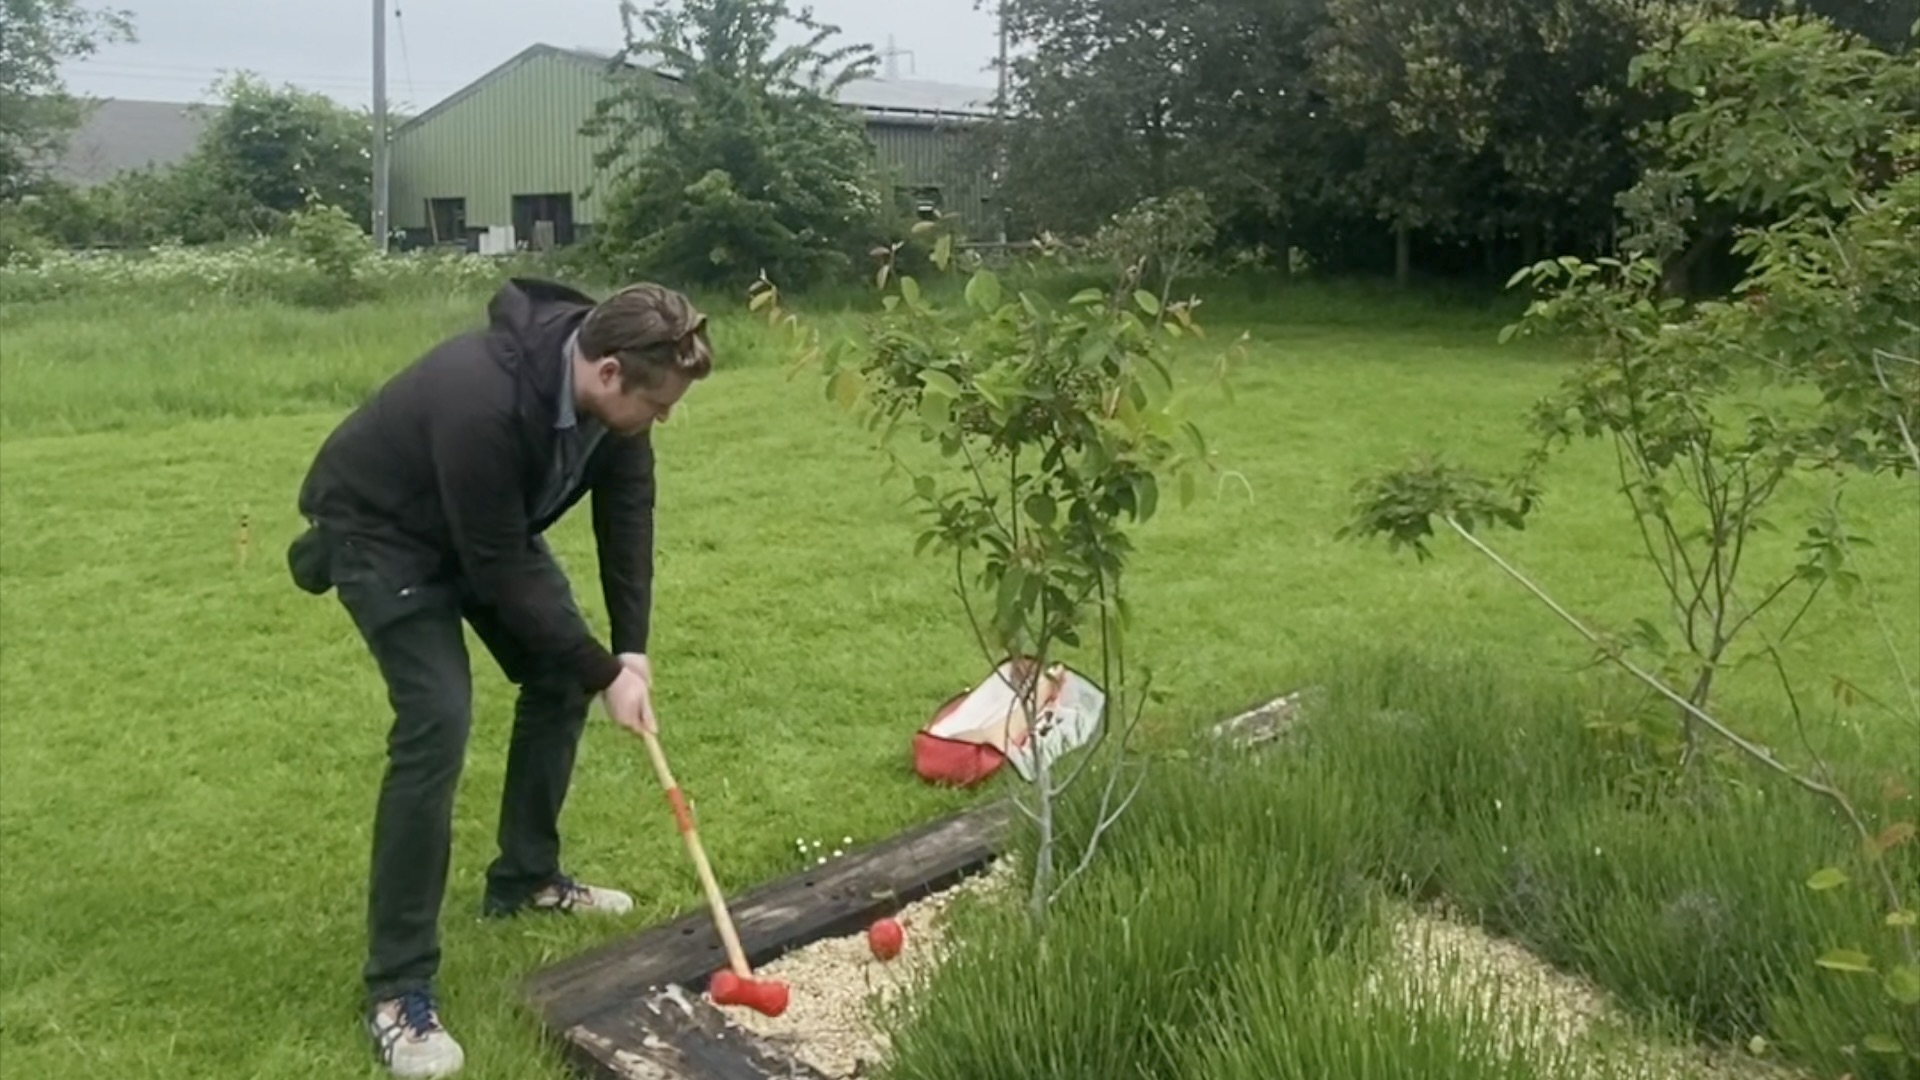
(502, 164)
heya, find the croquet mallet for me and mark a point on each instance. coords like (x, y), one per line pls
(734, 985)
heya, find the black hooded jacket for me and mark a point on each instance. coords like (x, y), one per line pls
(437, 476)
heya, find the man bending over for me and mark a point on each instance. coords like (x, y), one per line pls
(427, 508)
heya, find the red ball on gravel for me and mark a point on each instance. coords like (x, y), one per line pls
(885, 938)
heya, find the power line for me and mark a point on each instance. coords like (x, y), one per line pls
(406, 65)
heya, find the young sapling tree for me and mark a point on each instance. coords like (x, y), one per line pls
(1808, 374)
(1043, 434)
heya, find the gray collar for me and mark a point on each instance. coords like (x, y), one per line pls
(566, 417)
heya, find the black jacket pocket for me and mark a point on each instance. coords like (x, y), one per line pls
(310, 562)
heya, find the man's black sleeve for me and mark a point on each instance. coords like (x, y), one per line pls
(481, 489)
(623, 498)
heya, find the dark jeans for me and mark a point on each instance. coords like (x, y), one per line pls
(415, 634)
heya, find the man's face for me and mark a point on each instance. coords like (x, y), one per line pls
(630, 412)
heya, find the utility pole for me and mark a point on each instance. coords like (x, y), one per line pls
(380, 126)
(1002, 9)
(1000, 110)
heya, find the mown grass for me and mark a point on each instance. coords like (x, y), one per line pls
(191, 746)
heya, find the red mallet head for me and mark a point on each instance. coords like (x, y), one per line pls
(885, 938)
(765, 996)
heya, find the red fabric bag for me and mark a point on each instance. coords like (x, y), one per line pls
(952, 762)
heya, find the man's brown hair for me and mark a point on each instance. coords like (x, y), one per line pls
(653, 330)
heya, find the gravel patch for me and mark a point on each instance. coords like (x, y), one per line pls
(835, 984)
(1440, 952)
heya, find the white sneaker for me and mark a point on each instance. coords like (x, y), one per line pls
(568, 895)
(408, 1038)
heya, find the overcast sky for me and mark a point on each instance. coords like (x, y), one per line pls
(434, 47)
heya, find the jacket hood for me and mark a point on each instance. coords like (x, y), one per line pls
(533, 318)
(530, 310)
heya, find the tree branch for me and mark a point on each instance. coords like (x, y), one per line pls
(986, 651)
(1668, 570)
(1106, 821)
(1752, 499)
(980, 481)
(1888, 888)
(1899, 420)
(1756, 752)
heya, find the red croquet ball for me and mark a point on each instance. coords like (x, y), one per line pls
(885, 938)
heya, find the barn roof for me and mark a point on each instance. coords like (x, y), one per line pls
(877, 99)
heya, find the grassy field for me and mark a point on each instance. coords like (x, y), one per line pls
(192, 746)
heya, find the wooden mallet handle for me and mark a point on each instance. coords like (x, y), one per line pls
(738, 986)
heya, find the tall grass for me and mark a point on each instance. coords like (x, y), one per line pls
(1689, 902)
(1226, 932)
(1226, 927)
(80, 364)
(1233, 926)
(261, 270)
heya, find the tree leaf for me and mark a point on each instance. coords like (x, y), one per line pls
(1148, 302)
(939, 382)
(1087, 296)
(936, 410)
(1040, 508)
(1903, 984)
(1146, 493)
(1157, 381)
(1882, 1043)
(844, 387)
(1847, 960)
(1830, 878)
(983, 291)
(1902, 918)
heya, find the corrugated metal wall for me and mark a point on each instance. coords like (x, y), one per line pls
(920, 154)
(517, 133)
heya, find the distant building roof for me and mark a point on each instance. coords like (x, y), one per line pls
(917, 96)
(877, 99)
(120, 134)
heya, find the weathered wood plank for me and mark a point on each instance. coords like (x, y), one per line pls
(674, 1034)
(842, 897)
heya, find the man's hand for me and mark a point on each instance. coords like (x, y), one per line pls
(643, 667)
(639, 665)
(629, 701)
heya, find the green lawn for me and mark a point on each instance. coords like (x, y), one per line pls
(192, 746)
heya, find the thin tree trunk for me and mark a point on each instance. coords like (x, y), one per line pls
(1676, 278)
(1402, 254)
